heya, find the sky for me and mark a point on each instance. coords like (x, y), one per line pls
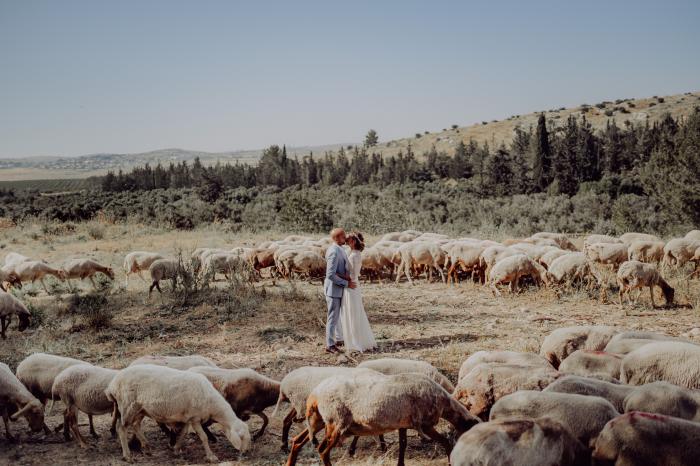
(81, 77)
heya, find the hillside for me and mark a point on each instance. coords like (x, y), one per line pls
(597, 113)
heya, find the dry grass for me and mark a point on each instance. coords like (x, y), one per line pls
(282, 330)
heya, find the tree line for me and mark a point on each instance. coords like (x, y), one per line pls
(659, 160)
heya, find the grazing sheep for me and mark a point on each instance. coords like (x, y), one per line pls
(30, 271)
(245, 390)
(631, 237)
(11, 278)
(693, 235)
(426, 253)
(569, 268)
(670, 361)
(584, 416)
(138, 261)
(295, 388)
(612, 254)
(615, 393)
(375, 262)
(306, 262)
(559, 344)
(512, 269)
(38, 371)
(82, 387)
(501, 357)
(370, 403)
(392, 366)
(591, 363)
(560, 239)
(9, 306)
(172, 397)
(626, 345)
(488, 382)
(651, 252)
(14, 258)
(635, 274)
(664, 398)
(645, 439)
(163, 269)
(489, 257)
(521, 442)
(198, 255)
(465, 256)
(224, 263)
(85, 268)
(594, 239)
(174, 362)
(549, 257)
(16, 402)
(679, 251)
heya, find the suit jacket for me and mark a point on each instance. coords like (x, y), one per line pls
(336, 263)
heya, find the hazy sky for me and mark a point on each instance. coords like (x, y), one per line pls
(79, 77)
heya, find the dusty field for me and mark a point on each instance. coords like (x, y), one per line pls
(278, 330)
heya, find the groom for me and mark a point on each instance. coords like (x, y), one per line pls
(334, 285)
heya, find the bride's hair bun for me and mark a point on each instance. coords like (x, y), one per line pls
(359, 240)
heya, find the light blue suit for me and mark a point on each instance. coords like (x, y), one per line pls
(334, 286)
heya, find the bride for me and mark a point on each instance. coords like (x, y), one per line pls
(357, 333)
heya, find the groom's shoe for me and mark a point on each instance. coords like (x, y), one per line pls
(340, 344)
(332, 349)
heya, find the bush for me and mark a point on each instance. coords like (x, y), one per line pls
(454, 126)
(418, 135)
(38, 315)
(660, 100)
(600, 105)
(609, 113)
(92, 309)
(96, 231)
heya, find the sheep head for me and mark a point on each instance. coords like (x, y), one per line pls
(239, 435)
(34, 413)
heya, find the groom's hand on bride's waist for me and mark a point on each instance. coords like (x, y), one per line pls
(352, 284)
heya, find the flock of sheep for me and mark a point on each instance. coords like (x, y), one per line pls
(594, 394)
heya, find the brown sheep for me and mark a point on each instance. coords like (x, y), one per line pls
(635, 274)
(651, 252)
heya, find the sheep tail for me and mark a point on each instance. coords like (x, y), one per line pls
(280, 399)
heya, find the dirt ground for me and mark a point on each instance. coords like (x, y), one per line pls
(278, 330)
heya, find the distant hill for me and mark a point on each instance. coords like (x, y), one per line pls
(494, 132)
(597, 113)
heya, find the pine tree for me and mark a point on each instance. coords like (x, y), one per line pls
(371, 139)
(460, 167)
(541, 156)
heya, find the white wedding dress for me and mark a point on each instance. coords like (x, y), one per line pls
(357, 333)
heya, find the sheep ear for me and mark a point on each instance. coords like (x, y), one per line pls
(19, 413)
(234, 438)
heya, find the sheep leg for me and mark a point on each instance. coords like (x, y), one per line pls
(94, 286)
(71, 418)
(265, 420)
(3, 327)
(402, 446)
(205, 426)
(177, 444)
(651, 294)
(6, 419)
(435, 435)
(211, 457)
(41, 280)
(124, 441)
(113, 427)
(140, 275)
(297, 444)
(332, 438)
(139, 435)
(353, 446)
(92, 427)
(382, 443)
(286, 425)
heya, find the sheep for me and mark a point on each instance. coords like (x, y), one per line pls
(225, 263)
(81, 387)
(38, 371)
(245, 390)
(10, 305)
(85, 268)
(522, 442)
(138, 261)
(163, 269)
(549, 257)
(645, 439)
(693, 235)
(631, 237)
(374, 262)
(561, 240)
(16, 401)
(426, 253)
(466, 256)
(612, 254)
(370, 403)
(626, 342)
(295, 388)
(14, 258)
(614, 392)
(198, 255)
(590, 363)
(651, 252)
(635, 274)
(670, 361)
(174, 362)
(9, 277)
(489, 257)
(664, 398)
(501, 357)
(30, 271)
(560, 343)
(171, 397)
(569, 268)
(593, 239)
(679, 251)
(307, 262)
(512, 269)
(584, 416)
(487, 382)
(392, 366)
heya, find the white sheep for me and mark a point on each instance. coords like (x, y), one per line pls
(465, 256)
(163, 269)
(569, 268)
(522, 442)
(38, 371)
(679, 251)
(664, 398)
(549, 257)
(138, 261)
(634, 274)
(560, 343)
(9, 306)
(631, 237)
(9, 278)
(393, 366)
(645, 439)
(424, 253)
(85, 268)
(82, 387)
(174, 362)
(608, 254)
(626, 342)
(560, 239)
(670, 361)
(14, 258)
(593, 239)
(512, 269)
(172, 397)
(224, 263)
(31, 271)
(614, 392)
(651, 252)
(592, 363)
(370, 403)
(584, 416)
(501, 357)
(16, 402)
(693, 235)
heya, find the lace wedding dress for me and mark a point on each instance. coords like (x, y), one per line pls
(357, 333)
